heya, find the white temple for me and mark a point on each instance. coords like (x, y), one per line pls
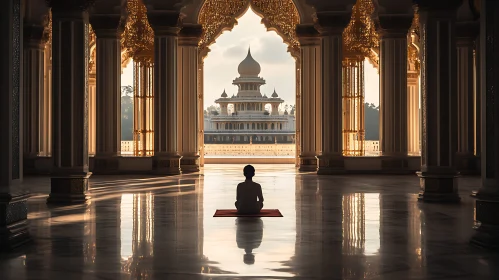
(243, 118)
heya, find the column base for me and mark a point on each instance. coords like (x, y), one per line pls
(308, 163)
(440, 187)
(486, 223)
(106, 165)
(189, 164)
(331, 165)
(166, 165)
(467, 164)
(13, 220)
(395, 165)
(69, 189)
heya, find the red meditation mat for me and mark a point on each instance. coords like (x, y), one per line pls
(233, 213)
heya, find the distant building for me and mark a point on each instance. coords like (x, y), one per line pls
(248, 121)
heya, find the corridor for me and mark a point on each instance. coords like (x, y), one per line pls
(334, 227)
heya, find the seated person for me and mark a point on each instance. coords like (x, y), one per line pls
(247, 193)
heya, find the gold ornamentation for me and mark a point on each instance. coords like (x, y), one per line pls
(413, 58)
(217, 16)
(353, 107)
(360, 41)
(414, 61)
(360, 35)
(93, 49)
(138, 37)
(280, 16)
(415, 22)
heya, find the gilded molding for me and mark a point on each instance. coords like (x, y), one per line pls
(280, 16)
(138, 36)
(360, 36)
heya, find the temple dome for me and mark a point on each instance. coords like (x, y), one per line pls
(249, 67)
(224, 94)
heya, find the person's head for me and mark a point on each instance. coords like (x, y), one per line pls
(249, 171)
(249, 258)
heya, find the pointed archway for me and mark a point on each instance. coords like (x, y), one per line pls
(218, 16)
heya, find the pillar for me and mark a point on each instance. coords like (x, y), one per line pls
(69, 179)
(477, 101)
(298, 112)
(46, 114)
(92, 112)
(13, 201)
(332, 24)
(465, 158)
(108, 93)
(166, 158)
(34, 93)
(487, 203)
(200, 108)
(310, 97)
(393, 91)
(187, 99)
(438, 175)
(413, 134)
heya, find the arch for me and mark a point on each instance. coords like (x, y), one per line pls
(279, 16)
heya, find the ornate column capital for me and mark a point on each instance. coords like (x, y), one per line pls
(106, 25)
(329, 22)
(190, 34)
(307, 35)
(164, 22)
(394, 25)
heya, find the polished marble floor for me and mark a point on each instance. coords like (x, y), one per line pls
(342, 227)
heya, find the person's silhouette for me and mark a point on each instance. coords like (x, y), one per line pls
(249, 236)
(248, 192)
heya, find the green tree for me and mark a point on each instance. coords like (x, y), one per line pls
(126, 113)
(213, 110)
(371, 121)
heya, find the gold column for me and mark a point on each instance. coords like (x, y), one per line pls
(46, 128)
(413, 90)
(143, 108)
(200, 72)
(138, 41)
(359, 40)
(298, 113)
(92, 86)
(353, 106)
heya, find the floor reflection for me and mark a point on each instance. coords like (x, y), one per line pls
(223, 237)
(249, 236)
(334, 227)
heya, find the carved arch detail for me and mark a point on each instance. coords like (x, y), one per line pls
(280, 16)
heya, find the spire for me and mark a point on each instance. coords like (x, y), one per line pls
(274, 95)
(224, 94)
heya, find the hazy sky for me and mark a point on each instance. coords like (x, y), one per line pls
(278, 67)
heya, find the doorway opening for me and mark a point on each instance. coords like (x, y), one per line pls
(249, 91)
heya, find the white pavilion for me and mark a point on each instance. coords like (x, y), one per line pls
(243, 118)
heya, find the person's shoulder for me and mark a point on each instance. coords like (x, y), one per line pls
(258, 185)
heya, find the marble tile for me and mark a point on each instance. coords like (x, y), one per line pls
(334, 227)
